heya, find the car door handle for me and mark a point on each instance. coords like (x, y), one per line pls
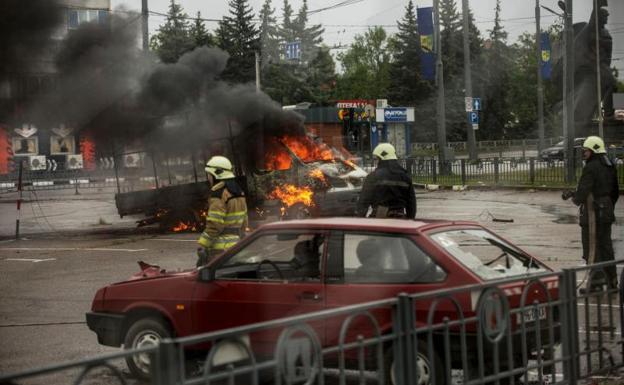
(310, 296)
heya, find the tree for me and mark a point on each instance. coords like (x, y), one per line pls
(309, 36)
(172, 39)
(406, 85)
(322, 77)
(269, 35)
(366, 66)
(496, 114)
(239, 37)
(198, 33)
(451, 40)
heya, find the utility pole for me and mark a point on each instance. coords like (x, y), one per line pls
(540, 87)
(441, 112)
(144, 12)
(472, 150)
(598, 81)
(257, 71)
(569, 93)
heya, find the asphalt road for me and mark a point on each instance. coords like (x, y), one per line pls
(73, 244)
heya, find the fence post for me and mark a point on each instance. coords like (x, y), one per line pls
(403, 348)
(463, 171)
(496, 171)
(532, 170)
(164, 367)
(434, 172)
(569, 326)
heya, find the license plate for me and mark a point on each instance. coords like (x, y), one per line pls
(532, 314)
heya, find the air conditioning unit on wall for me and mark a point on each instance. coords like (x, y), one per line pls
(74, 162)
(133, 160)
(37, 162)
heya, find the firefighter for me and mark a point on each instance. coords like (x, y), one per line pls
(596, 194)
(226, 220)
(388, 189)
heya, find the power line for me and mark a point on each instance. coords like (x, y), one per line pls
(343, 3)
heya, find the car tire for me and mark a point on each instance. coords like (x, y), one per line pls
(142, 333)
(425, 368)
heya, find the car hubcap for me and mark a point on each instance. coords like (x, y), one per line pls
(143, 340)
(424, 371)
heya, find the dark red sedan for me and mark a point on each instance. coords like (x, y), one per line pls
(294, 267)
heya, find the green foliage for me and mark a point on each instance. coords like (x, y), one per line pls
(322, 77)
(366, 66)
(198, 33)
(310, 79)
(172, 39)
(406, 86)
(269, 35)
(238, 36)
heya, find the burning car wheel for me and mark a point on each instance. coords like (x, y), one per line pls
(143, 333)
(424, 364)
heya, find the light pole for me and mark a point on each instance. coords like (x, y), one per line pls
(540, 88)
(472, 150)
(441, 111)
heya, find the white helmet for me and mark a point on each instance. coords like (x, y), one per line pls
(385, 151)
(220, 167)
(595, 145)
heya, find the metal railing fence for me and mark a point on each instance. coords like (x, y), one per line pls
(502, 171)
(499, 332)
(490, 171)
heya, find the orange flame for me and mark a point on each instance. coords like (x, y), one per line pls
(277, 158)
(87, 148)
(290, 194)
(318, 174)
(181, 227)
(306, 149)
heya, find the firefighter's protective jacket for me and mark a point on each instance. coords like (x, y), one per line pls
(389, 186)
(599, 177)
(227, 216)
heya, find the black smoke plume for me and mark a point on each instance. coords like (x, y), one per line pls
(125, 96)
(25, 31)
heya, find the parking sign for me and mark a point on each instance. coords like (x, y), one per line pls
(473, 117)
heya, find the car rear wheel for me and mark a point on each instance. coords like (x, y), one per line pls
(143, 333)
(425, 367)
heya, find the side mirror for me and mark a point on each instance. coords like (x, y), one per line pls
(206, 274)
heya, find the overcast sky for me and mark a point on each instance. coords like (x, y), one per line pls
(342, 23)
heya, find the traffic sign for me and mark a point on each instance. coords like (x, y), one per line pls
(468, 103)
(473, 117)
(476, 104)
(475, 126)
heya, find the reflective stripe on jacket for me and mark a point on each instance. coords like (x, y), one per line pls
(227, 216)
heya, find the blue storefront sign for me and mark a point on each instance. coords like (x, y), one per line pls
(395, 114)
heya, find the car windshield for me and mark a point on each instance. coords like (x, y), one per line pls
(485, 254)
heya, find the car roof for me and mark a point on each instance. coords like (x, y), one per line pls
(365, 224)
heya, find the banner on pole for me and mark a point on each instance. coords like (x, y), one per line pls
(546, 57)
(427, 54)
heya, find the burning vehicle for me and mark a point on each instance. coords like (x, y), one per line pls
(289, 176)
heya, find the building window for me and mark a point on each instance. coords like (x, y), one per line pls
(76, 17)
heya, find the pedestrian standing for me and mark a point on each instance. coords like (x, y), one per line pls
(596, 194)
(226, 220)
(388, 190)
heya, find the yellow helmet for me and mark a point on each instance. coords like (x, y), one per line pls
(595, 144)
(385, 151)
(220, 167)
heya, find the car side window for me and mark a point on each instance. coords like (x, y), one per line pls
(373, 258)
(281, 256)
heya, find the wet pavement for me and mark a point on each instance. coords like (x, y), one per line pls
(73, 244)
